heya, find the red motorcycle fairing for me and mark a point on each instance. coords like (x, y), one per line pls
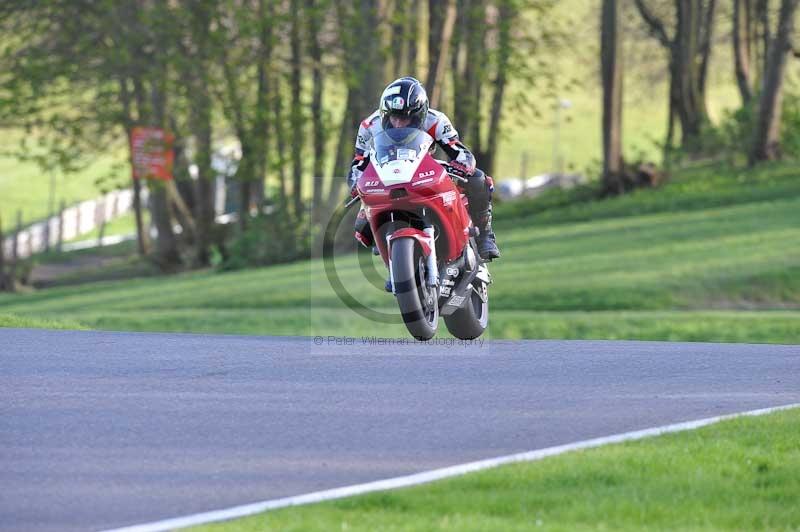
(420, 236)
(431, 188)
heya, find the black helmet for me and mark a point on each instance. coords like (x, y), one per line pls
(404, 97)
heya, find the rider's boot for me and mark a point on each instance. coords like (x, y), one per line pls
(487, 245)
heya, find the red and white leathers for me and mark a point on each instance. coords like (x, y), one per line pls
(478, 188)
(437, 125)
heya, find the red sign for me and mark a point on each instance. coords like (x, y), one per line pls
(152, 153)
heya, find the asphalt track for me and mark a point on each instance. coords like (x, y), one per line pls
(101, 430)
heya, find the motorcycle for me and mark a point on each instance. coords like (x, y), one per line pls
(423, 233)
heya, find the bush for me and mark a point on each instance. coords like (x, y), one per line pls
(272, 238)
(734, 135)
(790, 134)
(736, 130)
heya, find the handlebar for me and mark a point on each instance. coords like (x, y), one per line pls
(352, 201)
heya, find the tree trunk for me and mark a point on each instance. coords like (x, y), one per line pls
(611, 60)
(506, 16)
(364, 82)
(766, 144)
(344, 151)
(200, 120)
(259, 132)
(128, 122)
(204, 206)
(474, 74)
(244, 172)
(458, 68)
(764, 38)
(689, 51)
(436, 18)
(318, 120)
(297, 122)
(742, 16)
(691, 98)
(412, 36)
(705, 35)
(6, 280)
(167, 254)
(398, 39)
(444, 51)
(669, 139)
(279, 132)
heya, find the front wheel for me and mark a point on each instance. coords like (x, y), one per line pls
(419, 303)
(469, 322)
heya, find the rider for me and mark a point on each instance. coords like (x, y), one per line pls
(404, 103)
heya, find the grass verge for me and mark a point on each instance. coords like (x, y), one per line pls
(656, 265)
(741, 474)
(26, 322)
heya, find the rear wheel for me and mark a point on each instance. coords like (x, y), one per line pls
(469, 322)
(419, 303)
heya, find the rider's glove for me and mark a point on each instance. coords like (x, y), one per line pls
(466, 168)
(352, 180)
(355, 175)
(455, 170)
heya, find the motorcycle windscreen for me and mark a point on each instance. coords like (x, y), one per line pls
(400, 144)
(397, 153)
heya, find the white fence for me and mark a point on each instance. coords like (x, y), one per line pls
(72, 222)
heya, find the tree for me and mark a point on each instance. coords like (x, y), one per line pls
(492, 45)
(689, 51)
(611, 67)
(150, 77)
(243, 47)
(297, 121)
(469, 59)
(503, 55)
(766, 145)
(358, 24)
(7, 283)
(316, 14)
(442, 15)
(194, 64)
(743, 28)
(108, 62)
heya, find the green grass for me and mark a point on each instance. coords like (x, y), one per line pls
(655, 265)
(741, 474)
(121, 250)
(695, 188)
(111, 262)
(26, 322)
(25, 188)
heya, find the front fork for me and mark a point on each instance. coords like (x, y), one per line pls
(432, 274)
(431, 264)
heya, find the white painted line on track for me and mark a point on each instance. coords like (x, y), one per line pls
(430, 476)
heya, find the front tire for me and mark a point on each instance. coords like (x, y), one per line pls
(419, 303)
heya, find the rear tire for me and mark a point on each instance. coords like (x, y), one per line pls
(419, 304)
(471, 321)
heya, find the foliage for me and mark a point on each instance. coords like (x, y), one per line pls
(272, 238)
(732, 139)
(790, 133)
